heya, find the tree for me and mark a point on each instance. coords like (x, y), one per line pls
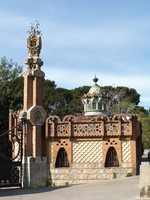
(123, 108)
(11, 90)
(75, 104)
(140, 111)
(128, 94)
(146, 132)
(49, 86)
(58, 100)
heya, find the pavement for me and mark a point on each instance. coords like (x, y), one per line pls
(116, 189)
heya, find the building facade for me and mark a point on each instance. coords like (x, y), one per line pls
(95, 146)
(77, 149)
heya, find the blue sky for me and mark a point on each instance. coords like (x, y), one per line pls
(81, 38)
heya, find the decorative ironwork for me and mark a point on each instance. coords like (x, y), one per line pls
(111, 159)
(11, 157)
(62, 159)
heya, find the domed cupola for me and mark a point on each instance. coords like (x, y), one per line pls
(96, 102)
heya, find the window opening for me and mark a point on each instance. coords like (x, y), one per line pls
(89, 106)
(104, 106)
(111, 158)
(100, 106)
(94, 105)
(62, 159)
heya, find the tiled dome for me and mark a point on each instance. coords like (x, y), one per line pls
(96, 102)
(95, 88)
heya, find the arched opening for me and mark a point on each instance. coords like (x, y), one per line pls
(100, 105)
(94, 104)
(111, 158)
(62, 159)
(105, 106)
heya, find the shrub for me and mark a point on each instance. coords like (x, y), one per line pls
(114, 175)
(129, 175)
(67, 183)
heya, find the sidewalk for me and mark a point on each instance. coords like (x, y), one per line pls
(116, 189)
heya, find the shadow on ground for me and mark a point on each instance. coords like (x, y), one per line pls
(22, 191)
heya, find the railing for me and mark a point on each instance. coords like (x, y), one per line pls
(72, 128)
(11, 157)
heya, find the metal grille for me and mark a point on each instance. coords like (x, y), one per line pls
(11, 157)
(62, 159)
(111, 159)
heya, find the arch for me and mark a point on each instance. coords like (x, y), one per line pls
(104, 106)
(89, 106)
(94, 104)
(68, 118)
(62, 159)
(111, 158)
(53, 118)
(100, 105)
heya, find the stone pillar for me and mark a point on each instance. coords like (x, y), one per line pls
(145, 180)
(34, 165)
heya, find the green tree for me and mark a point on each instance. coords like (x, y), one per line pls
(146, 132)
(49, 86)
(11, 90)
(58, 100)
(140, 111)
(123, 107)
(128, 94)
(123, 99)
(75, 105)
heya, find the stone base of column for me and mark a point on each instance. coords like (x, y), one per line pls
(35, 171)
(145, 179)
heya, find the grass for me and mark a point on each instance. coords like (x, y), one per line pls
(32, 186)
(129, 175)
(114, 175)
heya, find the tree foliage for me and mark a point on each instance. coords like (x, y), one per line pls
(123, 99)
(146, 132)
(75, 105)
(11, 89)
(60, 101)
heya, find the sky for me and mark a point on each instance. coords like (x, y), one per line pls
(83, 38)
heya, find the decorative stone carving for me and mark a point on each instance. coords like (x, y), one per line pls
(33, 63)
(36, 115)
(34, 45)
(27, 72)
(38, 73)
(22, 115)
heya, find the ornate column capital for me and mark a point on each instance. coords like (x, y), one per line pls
(33, 62)
(34, 45)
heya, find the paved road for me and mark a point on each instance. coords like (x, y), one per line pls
(117, 189)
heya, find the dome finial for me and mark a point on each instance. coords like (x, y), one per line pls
(95, 79)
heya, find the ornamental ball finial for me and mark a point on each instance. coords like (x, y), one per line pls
(95, 79)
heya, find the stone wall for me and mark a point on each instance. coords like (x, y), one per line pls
(86, 172)
(87, 162)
